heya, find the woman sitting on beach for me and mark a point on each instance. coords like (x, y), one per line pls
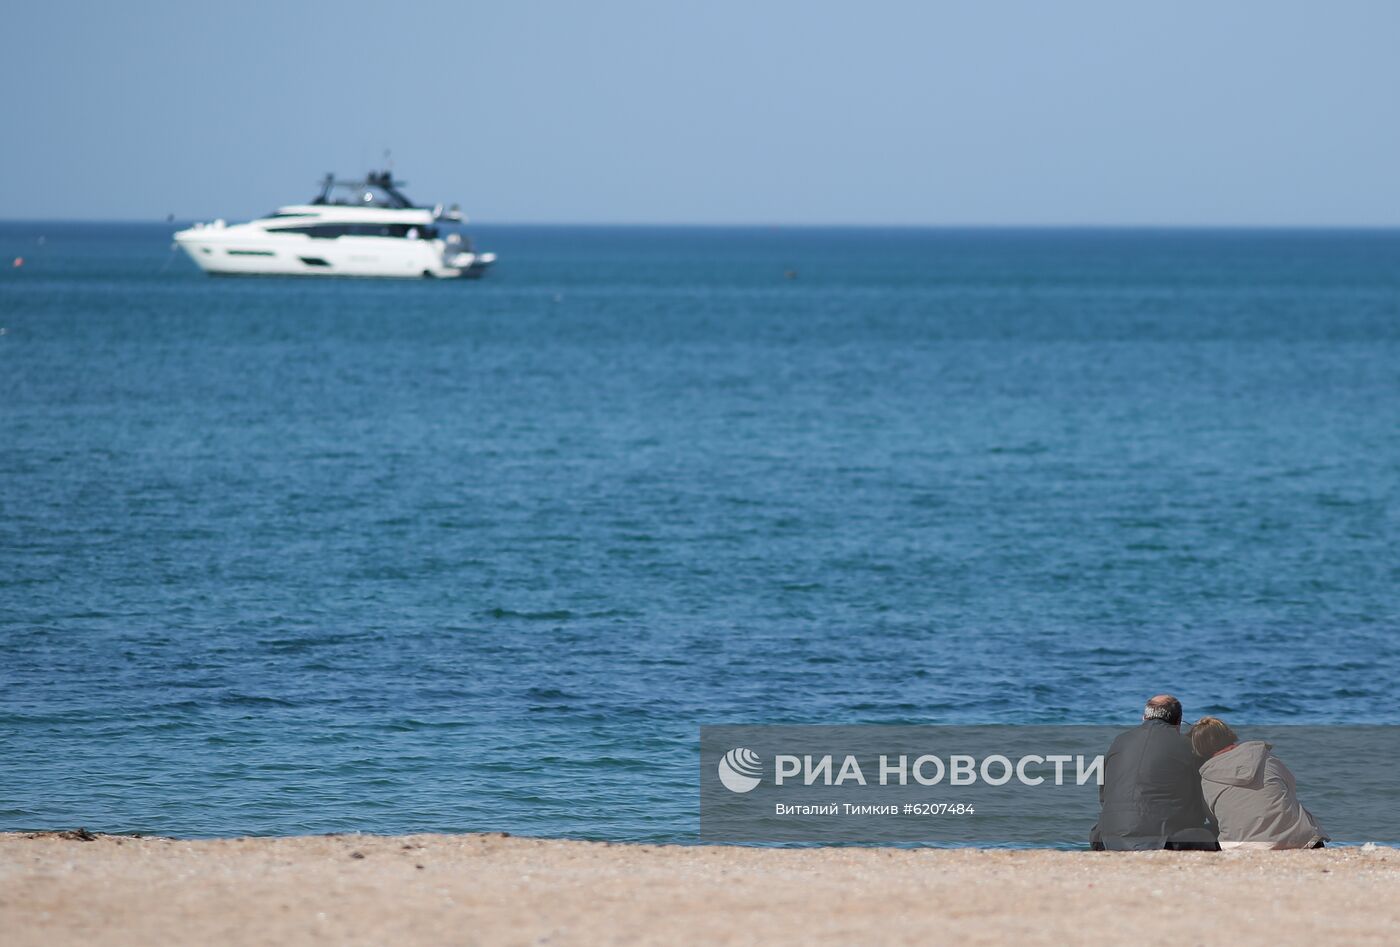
(1251, 794)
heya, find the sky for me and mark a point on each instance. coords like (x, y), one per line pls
(884, 112)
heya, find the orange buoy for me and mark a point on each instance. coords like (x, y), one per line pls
(19, 261)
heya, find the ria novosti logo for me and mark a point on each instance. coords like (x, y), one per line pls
(740, 770)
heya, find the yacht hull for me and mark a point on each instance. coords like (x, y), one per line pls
(232, 251)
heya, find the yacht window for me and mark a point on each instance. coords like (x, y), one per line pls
(331, 231)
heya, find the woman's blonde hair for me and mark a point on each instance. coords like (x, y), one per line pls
(1210, 735)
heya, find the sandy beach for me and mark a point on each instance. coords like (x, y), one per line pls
(494, 889)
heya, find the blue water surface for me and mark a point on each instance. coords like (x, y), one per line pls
(287, 556)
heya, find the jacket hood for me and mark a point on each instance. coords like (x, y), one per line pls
(1242, 766)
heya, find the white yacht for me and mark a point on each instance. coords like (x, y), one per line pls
(353, 228)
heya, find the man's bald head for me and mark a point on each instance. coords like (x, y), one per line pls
(1163, 707)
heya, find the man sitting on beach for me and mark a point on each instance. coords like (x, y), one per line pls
(1151, 793)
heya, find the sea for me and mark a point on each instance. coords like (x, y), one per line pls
(286, 556)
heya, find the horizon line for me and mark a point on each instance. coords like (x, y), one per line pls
(780, 225)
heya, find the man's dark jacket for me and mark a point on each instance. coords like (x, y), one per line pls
(1151, 789)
